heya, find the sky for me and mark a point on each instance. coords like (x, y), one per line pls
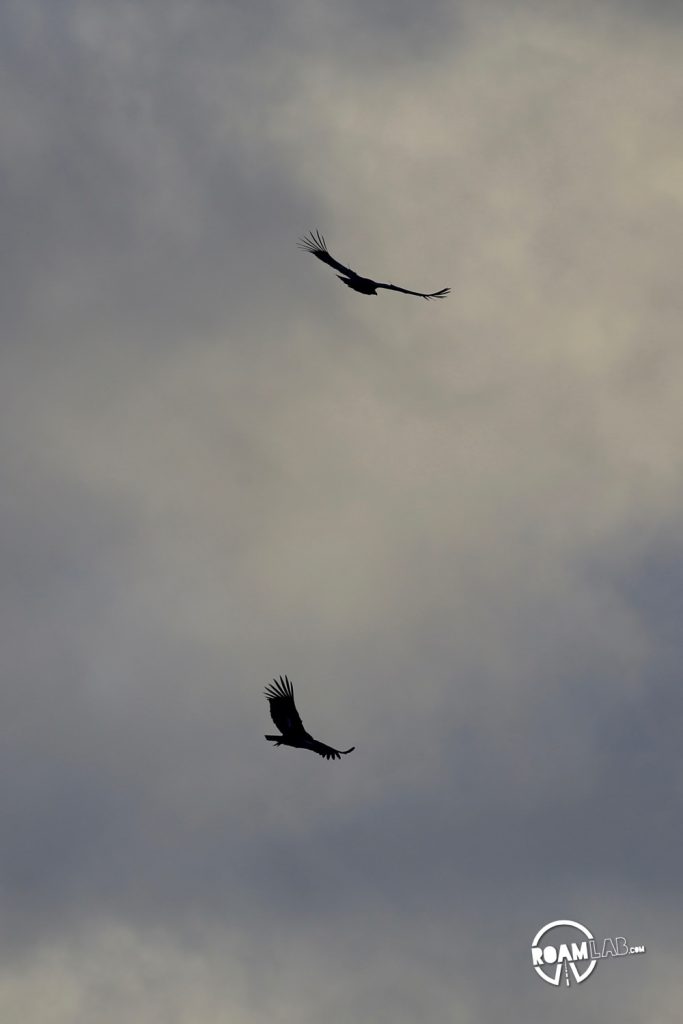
(455, 525)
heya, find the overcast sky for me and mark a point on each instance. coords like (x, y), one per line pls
(456, 525)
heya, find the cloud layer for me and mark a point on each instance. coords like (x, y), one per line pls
(454, 525)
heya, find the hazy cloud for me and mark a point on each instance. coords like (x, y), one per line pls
(454, 525)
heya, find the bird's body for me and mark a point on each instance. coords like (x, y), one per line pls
(316, 245)
(280, 696)
(360, 284)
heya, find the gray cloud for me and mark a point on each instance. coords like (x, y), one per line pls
(454, 525)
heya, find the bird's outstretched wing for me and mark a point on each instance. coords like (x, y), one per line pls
(422, 295)
(282, 707)
(329, 753)
(316, 244)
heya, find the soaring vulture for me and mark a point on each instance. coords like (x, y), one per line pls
(315, 244)
(286, 717)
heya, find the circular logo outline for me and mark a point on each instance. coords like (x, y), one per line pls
(555, 979)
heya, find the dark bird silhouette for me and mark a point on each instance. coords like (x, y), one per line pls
(315, 244)
(286, 717)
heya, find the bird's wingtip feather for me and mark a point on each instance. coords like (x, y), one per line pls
(313, 242)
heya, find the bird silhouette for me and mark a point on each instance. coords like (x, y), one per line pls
(286, 717)
(316, 245)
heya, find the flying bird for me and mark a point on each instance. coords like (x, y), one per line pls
(315, 244)
(286, 717)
